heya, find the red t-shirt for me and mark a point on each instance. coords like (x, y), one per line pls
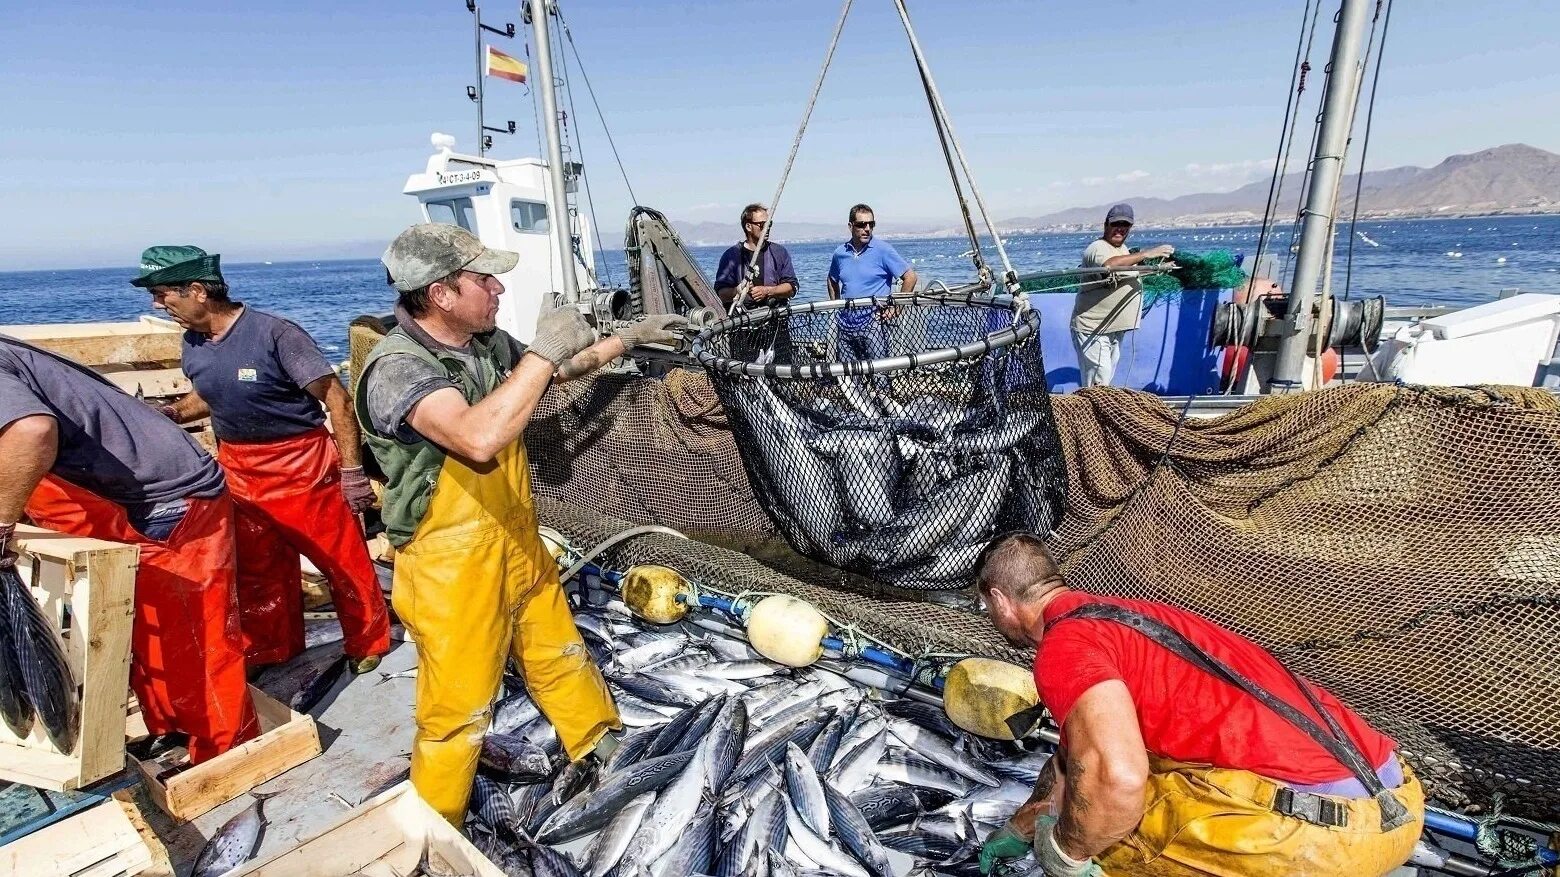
(1185, 713)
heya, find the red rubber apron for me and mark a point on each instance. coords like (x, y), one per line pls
(186, 650)
(288, 498)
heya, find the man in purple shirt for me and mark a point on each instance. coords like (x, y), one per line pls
(776, 279)
(866, 268)
(297, 487)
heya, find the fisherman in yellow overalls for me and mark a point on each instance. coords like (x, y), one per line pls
(443, 401)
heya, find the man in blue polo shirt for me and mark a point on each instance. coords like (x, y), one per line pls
(866, 268)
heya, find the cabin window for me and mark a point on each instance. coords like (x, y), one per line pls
(456, 211)
(529, 216)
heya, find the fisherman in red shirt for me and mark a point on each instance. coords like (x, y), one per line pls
(1186, 748)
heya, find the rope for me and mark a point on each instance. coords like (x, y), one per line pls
(1511, 849)
(1009, 276)
(1359, 181)
(983, 272)
(568, 35)
(1291, 107)
(796, 143)
(612, 540)
(590, 198)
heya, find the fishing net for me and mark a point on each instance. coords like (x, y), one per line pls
(892, 437)
(1215, 269)
(1399, 545)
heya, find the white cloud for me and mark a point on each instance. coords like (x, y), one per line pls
(1229, 168)
(1094, 181)
(1132, 176)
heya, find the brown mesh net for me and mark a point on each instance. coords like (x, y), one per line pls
(1399, 545)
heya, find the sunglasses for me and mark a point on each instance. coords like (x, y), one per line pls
(872, 224)
(1119, 225)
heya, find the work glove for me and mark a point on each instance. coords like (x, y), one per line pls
(7, 553)
(560, 334)
(1005, 843)
(653, 329)
(1053, 861)
(357, 490)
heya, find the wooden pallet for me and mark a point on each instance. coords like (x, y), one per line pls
(97, 842)
(88, 587)
(145, 341)
(384, 836)
(287, 739)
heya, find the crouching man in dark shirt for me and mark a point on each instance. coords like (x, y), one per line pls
(83, 458)
(262, 381)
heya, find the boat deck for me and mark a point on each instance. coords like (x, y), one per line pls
(366, 729)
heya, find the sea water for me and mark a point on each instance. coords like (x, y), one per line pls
(1412, 263)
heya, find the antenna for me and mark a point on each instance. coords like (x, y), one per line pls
(476, 92)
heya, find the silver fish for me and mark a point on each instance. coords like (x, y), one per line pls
(235, 842)
(817, 848)
(588, 812)
(920, 773)
(938, 750)
(806, 791)
(609, 844)
(674, 808)
(694, 851)
(855, 833)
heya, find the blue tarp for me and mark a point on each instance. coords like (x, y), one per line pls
(1167, 355)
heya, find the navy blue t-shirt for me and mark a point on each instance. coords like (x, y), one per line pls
(110, 443)
(253, 378)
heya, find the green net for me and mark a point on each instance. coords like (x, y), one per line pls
(1215, 269)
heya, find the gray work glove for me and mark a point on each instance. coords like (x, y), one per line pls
(653, 329)
(7, 552)
(560, 334)
(355, 488)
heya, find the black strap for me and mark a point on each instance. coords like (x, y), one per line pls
(1333, 739)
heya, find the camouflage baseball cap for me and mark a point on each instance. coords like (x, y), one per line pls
(433, 250)
(167, 264)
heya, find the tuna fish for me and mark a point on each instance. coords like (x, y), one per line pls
(46, 676)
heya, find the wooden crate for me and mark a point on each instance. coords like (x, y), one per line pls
(385, 835)
(287, 739)
(97, 842)
(88, 587)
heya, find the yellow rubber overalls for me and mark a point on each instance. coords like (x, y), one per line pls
(474, 586)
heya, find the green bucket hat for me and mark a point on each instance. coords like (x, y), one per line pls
(169, 263)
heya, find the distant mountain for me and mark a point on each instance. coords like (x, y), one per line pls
(1515, 178)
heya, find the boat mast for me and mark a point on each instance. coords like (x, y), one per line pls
(557, 201)
(1332, 143)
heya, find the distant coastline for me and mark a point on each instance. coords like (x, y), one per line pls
(1171, 225)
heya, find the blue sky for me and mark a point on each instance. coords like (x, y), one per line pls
(282, 128)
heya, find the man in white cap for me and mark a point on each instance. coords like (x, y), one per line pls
(443, 401)
(1111, 307)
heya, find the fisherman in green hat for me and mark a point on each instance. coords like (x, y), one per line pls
(297, 487)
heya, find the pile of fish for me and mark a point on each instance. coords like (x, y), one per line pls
(734, 765)
(35, 681)
(908, 493)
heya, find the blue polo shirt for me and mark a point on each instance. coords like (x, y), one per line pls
(868, 273)
(865, 274)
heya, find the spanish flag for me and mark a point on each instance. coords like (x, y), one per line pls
(504, 67)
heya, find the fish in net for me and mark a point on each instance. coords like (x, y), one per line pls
(893, 437)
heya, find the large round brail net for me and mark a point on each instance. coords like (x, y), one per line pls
(893, 437)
